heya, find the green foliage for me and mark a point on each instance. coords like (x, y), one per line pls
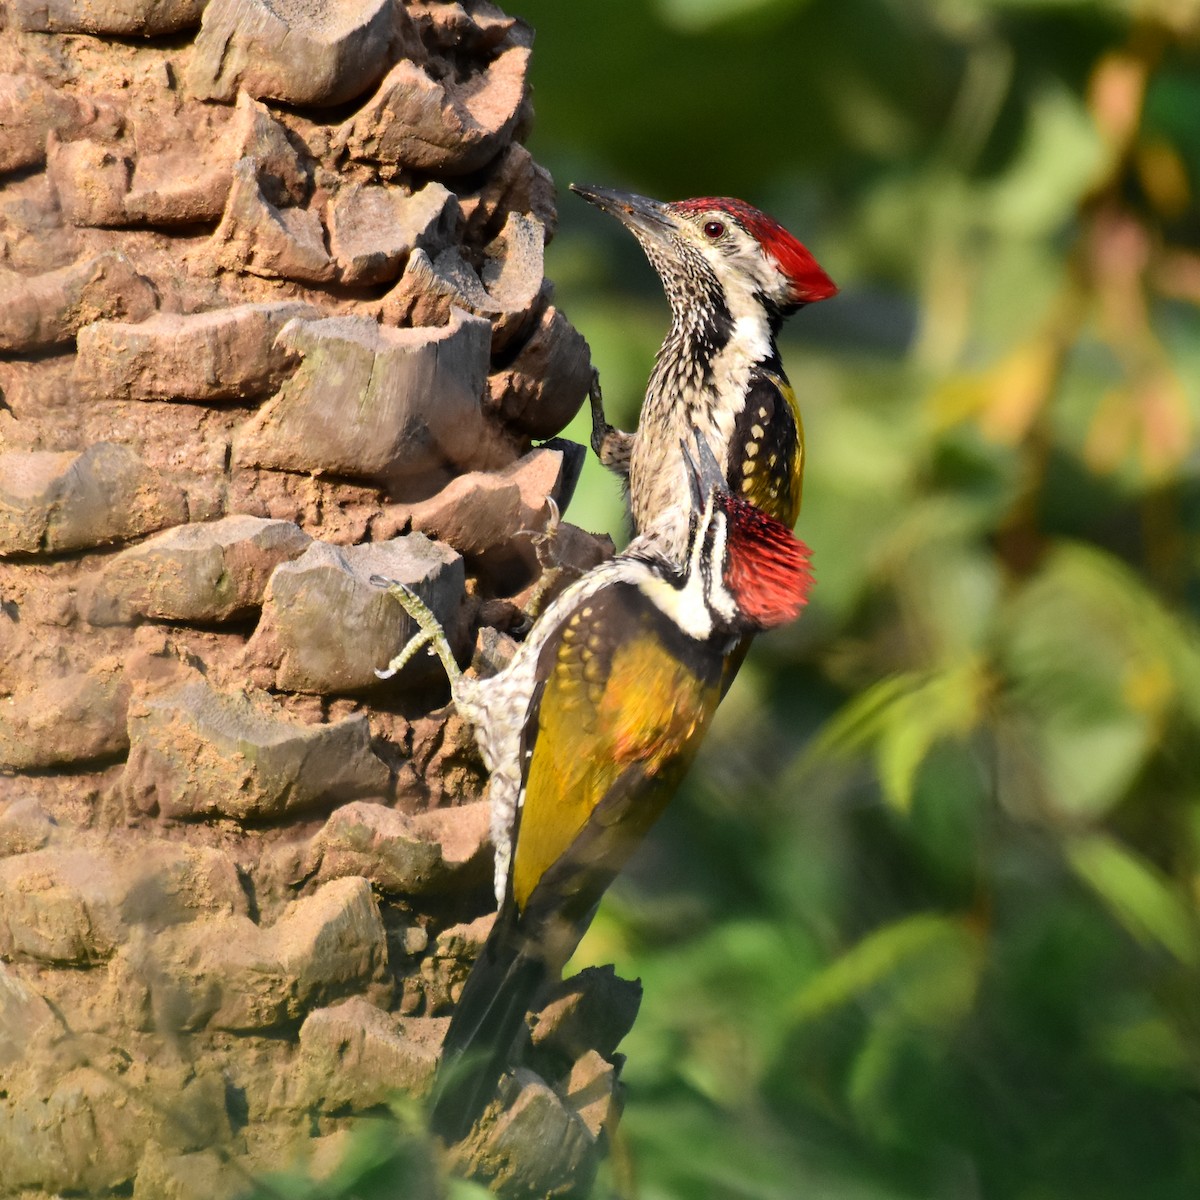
(920, 970)
(381, 1159)
(925, 921)
(1138, 896)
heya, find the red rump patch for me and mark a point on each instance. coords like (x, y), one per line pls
(766, 565)
(809, 282)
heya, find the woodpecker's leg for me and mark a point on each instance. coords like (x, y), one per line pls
(554, 572)
(612, 446)
(543, 539)
(431, 632)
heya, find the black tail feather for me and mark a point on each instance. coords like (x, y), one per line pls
(494, 1001)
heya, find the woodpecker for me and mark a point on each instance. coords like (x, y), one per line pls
(731, 274)
(587, 733)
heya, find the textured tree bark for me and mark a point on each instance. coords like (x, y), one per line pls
(272, 323)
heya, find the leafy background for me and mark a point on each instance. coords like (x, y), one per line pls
(925, 920)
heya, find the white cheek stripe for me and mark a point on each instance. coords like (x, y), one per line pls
(704, 593)
(719, 596)
(685, 606)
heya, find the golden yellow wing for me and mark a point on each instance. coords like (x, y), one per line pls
(626, 703)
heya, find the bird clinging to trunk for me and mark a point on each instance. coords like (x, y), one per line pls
(587, 733)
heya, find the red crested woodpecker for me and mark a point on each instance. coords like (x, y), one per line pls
(587, 733)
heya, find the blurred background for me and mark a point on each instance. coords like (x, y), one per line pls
(924, 922)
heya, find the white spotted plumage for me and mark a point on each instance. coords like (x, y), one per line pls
(694, 597)
(499, 706)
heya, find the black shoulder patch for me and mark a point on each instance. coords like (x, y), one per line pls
(764, 449)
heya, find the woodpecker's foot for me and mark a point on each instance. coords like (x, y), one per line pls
(555, 573)
(431, 635)
(611, 446)
(543, 540)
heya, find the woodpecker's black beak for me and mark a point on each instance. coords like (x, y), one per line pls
(704, 473)
(693, 477)
(637, 213)
(710, 469)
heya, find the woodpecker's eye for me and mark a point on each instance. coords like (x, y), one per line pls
(714, 229)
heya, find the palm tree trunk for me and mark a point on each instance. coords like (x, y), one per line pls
(270, 281)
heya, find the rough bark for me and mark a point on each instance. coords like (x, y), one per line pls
(272, 321)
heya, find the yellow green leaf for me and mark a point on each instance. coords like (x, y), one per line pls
(1137, 895)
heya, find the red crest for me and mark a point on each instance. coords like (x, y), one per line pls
(808, 281)
(766, 565)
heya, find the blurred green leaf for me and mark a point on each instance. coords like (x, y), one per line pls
(379, 1159)
(1150, 1045)
(947, 587)
(1061, 159)
(1140, 899)
(1098, 664)
(925, 969)
(464, 1189)
(901, 719)
(719, 1007)
(944, 706)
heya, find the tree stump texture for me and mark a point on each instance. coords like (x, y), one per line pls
(273, 323)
